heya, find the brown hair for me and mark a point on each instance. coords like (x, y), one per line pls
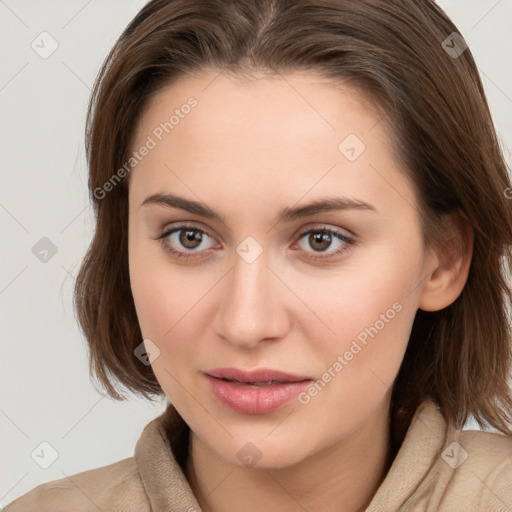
(394, 51)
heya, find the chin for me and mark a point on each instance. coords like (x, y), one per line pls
(256, 452)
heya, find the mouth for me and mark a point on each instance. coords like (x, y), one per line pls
(258, 377)
(253, 384)
(255, 392)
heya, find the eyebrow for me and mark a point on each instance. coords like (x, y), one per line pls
(288, 214)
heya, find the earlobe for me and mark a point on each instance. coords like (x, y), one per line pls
(447, 267)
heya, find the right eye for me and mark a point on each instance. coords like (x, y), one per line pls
(183, 241)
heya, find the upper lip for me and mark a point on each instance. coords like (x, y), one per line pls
(260, 375)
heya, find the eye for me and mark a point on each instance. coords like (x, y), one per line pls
(321, 239)
(184, 241)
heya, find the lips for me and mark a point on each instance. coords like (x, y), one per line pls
(255, 376)
(255, 392)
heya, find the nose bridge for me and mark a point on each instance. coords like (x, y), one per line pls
(249, 311)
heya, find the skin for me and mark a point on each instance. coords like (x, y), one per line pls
(249, 149)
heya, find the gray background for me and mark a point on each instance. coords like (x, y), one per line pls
(46, 393)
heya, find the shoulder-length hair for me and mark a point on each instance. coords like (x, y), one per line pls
(408, 57)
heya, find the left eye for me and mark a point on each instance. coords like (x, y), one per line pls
(322, 239)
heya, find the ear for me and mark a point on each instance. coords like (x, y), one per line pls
(447, 266)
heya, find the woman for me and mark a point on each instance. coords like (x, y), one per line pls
(303, 237)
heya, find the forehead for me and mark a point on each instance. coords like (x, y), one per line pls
(262, 137)
(299, 100)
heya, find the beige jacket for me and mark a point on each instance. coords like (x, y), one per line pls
(437, 468)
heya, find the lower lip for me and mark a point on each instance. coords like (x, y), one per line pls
(249, 399)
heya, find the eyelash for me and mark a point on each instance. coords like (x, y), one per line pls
(348, 241)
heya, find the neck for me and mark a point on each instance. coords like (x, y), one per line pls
(341, 477)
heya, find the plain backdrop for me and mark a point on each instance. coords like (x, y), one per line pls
(46, 393)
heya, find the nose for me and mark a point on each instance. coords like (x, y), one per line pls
(252, 305)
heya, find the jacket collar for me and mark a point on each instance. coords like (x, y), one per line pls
(168, 489)
(163, 478)
(416, 457)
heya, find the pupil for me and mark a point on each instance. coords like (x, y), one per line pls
(323, 238)
(188, 238)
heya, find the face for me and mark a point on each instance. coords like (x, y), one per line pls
(235, 279)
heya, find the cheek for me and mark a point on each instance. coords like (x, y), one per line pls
(162, 293)
(376, 291)
(161, 304)
(171, 303)
(370, 305)
(163, 301)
